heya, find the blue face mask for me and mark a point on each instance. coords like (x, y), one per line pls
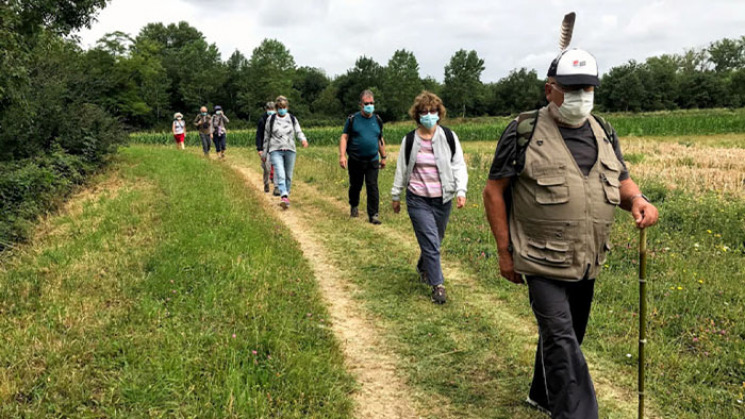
(271, 112)
(429, 120)
(369, 109)
(204, 113)
(218, 112)
(282, 112)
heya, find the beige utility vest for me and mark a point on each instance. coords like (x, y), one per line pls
(560, 220)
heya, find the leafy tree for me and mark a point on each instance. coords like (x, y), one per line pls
(520, 91)
(310, 82)
(401, 84)
(727, 54)
(272, 70)
(463, 86)
(366, 74)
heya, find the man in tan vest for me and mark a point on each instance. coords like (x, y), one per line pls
(557, 176)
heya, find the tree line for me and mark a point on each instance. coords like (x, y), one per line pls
(168, 68)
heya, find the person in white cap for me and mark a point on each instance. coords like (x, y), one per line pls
(179, 130)
(557, 177)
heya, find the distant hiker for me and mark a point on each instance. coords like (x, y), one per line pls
(557, 177)
(219, 133)
(432, 170)
(266, 163)
(362, 140)
(279, 142)
(179, 130)
(203, 122)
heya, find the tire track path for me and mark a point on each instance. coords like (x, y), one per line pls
(383, 394)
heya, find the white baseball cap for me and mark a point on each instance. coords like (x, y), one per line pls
(575, 67)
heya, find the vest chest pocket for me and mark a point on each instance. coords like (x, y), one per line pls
(551, 253)
(611, 184)
(552, 189)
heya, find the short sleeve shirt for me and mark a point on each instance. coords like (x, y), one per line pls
(362, 143)
(580, 142)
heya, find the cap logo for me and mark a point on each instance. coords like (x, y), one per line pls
(578, 63)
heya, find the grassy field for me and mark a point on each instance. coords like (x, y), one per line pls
(697, 340)
(127, 304)
(155, 295)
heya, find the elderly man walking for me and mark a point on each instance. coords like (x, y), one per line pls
(362, 140)
(203, 122)
(557, 177)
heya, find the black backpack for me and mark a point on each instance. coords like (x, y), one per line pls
(410, 143)
(351, 124)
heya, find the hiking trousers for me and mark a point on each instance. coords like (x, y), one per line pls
(206, 142)
(366, 172)
(429, 217)
(561, 378)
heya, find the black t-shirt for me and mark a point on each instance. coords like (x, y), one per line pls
(580, 142)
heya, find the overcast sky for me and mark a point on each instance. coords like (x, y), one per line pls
(332, 34)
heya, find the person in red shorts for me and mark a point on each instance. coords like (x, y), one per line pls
(179, 130)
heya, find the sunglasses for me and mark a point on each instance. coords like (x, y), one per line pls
(368, 103)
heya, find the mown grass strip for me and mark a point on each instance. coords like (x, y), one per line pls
(164, 299)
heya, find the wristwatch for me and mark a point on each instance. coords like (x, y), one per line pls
(383, 157)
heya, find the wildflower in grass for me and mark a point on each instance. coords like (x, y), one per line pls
(700, 281)
(255, 352)
(233, 335)
(708, 231)
(680, 288)
(695, 339)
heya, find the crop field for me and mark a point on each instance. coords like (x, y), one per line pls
(174, 287)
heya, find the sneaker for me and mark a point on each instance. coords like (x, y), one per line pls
(534, 404)
(276, 191)
(422, 276)
(439, 296)
(285, 202)
(266, 188)
(354, 212)
(374, 219)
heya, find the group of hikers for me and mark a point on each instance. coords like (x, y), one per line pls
(557, 176)
(211, 130)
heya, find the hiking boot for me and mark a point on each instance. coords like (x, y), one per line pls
(374, 219)
(422, 275)
(276, 191)
(266, 188)
(354, 212)
(535, 405)
(439, 296)
(285, 203)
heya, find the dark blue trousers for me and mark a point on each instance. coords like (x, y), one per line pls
(429, 217)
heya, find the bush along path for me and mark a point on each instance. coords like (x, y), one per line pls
(471, 358)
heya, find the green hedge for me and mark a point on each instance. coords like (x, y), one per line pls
(30, 187)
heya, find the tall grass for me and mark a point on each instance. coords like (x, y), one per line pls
(159, 297)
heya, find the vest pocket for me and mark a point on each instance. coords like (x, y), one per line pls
(552, 189)
(611, 184)
(552, 253)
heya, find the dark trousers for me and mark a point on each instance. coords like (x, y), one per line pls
(429, 217)
(364, 172)
(219, 141)
(561, 379)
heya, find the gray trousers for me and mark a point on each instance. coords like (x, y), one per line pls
(429, 217)
(206, 142)
(561, 379)
(266, 165)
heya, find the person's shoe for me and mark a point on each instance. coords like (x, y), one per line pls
(354, 212)
(534, 404)
(374, 219)
(276, 191)
(266, 188)
(285, 203)
(439, 296)
(422, 276)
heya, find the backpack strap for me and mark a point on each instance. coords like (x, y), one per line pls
(451, 140)
(609, 131)
(380, 124)
(350, 127)
(409, 144)
(271, 130)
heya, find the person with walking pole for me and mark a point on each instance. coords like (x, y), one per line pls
(557, 177)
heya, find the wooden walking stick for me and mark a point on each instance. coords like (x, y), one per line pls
(642, 313)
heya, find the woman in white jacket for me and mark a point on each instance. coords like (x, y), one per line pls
(432, 170)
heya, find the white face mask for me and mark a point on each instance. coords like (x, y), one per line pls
(577, 106)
